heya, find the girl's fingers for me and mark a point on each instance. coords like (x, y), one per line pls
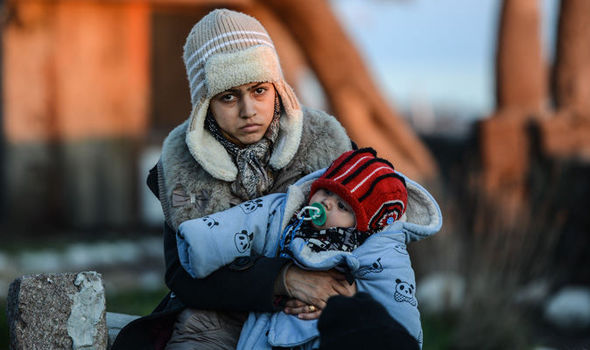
(315, 287)
(295, 310)
(310, 315)
(294, 303)
(303, 309)
(344, 288)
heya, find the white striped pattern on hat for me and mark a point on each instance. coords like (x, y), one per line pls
(221, 31)
(200, 64)
(351, 168)
(369, 176)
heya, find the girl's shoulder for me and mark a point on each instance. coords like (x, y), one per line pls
(323, 139)
(317, 122)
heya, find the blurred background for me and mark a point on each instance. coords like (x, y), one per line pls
(487, 103)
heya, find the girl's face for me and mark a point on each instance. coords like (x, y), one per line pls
(244, 112)
(338, 212)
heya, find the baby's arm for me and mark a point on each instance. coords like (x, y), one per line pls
(208, 243)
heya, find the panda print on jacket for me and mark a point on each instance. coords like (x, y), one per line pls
(243, 240)
(404, 292)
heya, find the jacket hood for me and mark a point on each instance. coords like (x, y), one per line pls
(422, 218)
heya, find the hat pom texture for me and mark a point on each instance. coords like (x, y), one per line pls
(376, 193)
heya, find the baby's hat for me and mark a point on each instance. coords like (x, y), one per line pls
(376, 193)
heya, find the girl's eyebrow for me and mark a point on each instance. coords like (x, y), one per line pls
(256, 86)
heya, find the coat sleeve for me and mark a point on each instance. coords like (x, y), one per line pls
(244, 286)
(208, 243)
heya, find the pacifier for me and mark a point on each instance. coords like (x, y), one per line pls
(316, 212)
(321, 217)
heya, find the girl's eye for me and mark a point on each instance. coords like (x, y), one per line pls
(227, 98)
(328, 193)
(260, 90)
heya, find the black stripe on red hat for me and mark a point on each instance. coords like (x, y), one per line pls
(336, 169)
(363, 167)
(374, 183)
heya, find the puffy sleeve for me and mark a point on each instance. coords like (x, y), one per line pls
(208, 243)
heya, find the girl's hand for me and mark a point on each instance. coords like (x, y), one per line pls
(312, 289)
(302, 310)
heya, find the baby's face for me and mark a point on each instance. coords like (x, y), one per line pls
(338, 212)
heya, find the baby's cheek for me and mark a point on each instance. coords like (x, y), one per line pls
(345, 220)
(352, 220)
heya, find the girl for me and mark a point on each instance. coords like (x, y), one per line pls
(246, 136)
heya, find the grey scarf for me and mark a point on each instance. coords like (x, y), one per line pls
(255, 177)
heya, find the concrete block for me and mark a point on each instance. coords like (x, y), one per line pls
(57, 311)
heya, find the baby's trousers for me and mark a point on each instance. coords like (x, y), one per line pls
(206, 330)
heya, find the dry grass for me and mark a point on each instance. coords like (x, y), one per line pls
(500, 250)
(500, 261)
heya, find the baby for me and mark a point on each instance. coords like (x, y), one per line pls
(354, 221)
(358, 195)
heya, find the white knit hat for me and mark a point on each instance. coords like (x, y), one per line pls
(227, 49)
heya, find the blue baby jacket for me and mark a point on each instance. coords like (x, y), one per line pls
(381, 265)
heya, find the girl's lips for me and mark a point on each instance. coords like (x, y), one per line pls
(250, 127)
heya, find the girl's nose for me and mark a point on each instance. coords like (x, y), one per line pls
(247, 108)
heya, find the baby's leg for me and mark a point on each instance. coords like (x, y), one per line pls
(207, 330)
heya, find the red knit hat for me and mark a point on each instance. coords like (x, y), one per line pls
(376, 193)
